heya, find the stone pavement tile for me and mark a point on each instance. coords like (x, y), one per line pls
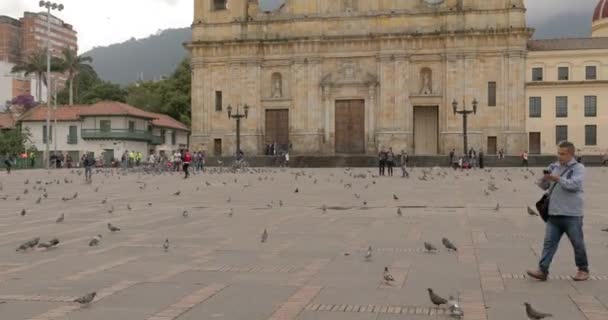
(239, 302)
(535, 287)
(24, 309)
(590, 306)
(509, 305)
(350, 296)
(308, 315)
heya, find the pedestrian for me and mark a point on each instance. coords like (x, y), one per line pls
(390, 161)
(524, 159)
(381, 162)
(287, 159)
(186, 159)
(404, 172)
(8, 163)
(452, 154)
(473, 158)
(32, 159)
(501, 154)
(481, 159)
(460, 163)
(177, 159)
(564, 182)
(125, 160)
(88, 164)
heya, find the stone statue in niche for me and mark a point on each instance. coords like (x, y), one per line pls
(349, 5)
(277, 85)
(426, 76)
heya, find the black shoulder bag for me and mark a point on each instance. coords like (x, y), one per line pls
(543, 204)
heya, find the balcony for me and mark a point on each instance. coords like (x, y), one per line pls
(120, 134)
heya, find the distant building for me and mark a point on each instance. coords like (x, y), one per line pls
(107, 129)
(567, 90)
(21, 38)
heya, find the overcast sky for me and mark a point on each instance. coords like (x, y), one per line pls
(101, 23)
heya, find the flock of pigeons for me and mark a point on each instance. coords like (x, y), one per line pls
(427, 174)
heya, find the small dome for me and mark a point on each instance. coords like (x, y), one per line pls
(601, 11)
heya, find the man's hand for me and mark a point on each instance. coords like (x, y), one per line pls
(552, 178)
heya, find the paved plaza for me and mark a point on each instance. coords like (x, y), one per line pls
(312, 266)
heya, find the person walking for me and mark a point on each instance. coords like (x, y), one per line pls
(8, 163)
(404, 173)
(524, 159)
(501, 154)
(381, 162)
(564, 182)
(390, 161)
(186, 159)
(88, 164)
(452, 154)
(480, 154)
(287, 159)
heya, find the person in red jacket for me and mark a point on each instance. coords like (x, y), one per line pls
(186, 159)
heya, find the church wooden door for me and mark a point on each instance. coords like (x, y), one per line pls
(277, 128)
(426, 130)
(350, 127)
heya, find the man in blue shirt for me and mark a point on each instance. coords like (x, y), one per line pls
(564, 180)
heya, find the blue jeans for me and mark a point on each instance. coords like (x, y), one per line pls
(573, 228)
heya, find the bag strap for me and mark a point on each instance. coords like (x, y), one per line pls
(561, 175)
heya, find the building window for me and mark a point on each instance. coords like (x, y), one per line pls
(220, 5)
(562, 73)
(218, 101)
(131, 126)
(590, 106)
(173, 137)
(163, 136)
(561, 107)
(535, 107)
(105, 125)
(590, 73)
(561, 134)
(492, 94)
(45, 132)
(591, 135)
(217, 147)
(73, 135)
(537, 74)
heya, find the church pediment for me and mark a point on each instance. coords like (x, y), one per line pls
(349, 74)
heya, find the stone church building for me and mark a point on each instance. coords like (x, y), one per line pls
(354, 76)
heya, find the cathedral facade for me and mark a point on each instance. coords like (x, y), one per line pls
(357, 76)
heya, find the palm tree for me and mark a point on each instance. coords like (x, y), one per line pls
(72, 65)
(35, 64)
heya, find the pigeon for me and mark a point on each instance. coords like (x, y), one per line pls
(399, 213)
(296, 191)
(26, 191)
(455, 309)
(497, 208)
(387, 276)
(535, 315)
(395, 197)
(264, 236)
(185, 214)
(231, 213)
(54, 242)
(111, 210)
(532, 212)
(429, 247)
(435, 299)
(368, 254)
(60, 219)
(448, 244)
(166, 245)
(23, 212)
(324, 208)
(28, 244)
(605, 229)
(95, 241)
(104, 201)
(112, 228)
(86, 299)
(177, 193)
(39, 199)
(129, 207)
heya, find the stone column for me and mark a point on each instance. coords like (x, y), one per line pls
(371, 111)
(326, 97)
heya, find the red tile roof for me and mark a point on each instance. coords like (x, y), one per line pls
(104, 108)
(165, 121)
(568, 44)
(6, 121)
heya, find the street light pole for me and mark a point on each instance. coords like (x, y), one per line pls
(54, 6)
(238, 116)
(465, 116)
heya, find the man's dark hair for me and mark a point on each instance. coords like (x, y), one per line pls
(568, 145)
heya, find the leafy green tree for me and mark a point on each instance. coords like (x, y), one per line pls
(72, 64)
(36, 64)
(104, 91)
(13, 141)
(84, 80)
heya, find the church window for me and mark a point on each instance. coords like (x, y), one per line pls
(220, 5)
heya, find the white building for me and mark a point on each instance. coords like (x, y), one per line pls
(107, 129)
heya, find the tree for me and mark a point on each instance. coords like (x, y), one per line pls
(104, 91)
(72, 65)
(83, 82)
(36, 64)
(25, 100)
(13, 141)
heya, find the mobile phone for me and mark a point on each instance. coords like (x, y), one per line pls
(546, 171)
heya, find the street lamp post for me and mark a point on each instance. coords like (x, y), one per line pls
(238, 116)
(49, 6)
(465, 115)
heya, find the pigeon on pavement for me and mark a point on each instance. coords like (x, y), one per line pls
(86, 299)
(368, 254)
(455, 309)
(185, 214)
(264, 236)
(395, 197)
(387, 276)
(47, 245)
(429, 247)
(112, 228)
(95, 241)
(532, 212)
(399, 213)
(166, 245)
(28, 244)
(23, 212)
(534, 314)
(435, 299)
(177, 193)
(60, 219)
(448, 244)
